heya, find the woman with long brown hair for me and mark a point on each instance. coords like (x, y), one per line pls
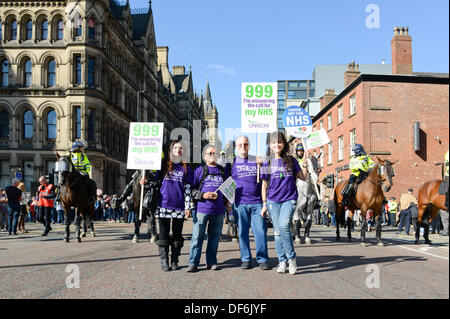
(23, 209)
(279, 195)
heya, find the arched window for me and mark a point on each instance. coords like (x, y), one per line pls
(5, 73)
(60, 29)
(44, 30)
(4, 124)
(1, 31)
(27, 73)
(51, 73)
(51, 125)
(13, 35)
(28, 124)
(91, 25)
(29, 30)
(78, 27)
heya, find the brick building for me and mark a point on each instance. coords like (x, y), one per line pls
(379, 112)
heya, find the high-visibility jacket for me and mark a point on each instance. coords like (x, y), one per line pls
(300, 160)
(446, 164)
(392, 206)
(81, 162)
(45, 190)
(362, 162)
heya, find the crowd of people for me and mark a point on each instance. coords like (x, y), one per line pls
(264, 190)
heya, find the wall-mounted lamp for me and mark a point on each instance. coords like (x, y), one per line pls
(393, 138)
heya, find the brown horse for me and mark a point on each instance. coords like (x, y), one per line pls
(76, 191)
(429, 204)
(369, 196)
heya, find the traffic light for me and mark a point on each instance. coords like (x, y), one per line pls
(330, 181)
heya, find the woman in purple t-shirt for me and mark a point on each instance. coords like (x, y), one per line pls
(279, 195)
(173, 205)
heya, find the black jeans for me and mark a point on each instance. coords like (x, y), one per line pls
(164, 230)
(46, 216)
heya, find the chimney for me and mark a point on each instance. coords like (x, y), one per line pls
(327, 98)
(163, 55)
(352, 73)
(401, 51)
(178, 70)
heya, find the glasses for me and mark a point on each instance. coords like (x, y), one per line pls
(211, 153)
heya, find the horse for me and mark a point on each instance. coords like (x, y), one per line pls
(369, 196)
(307, 199)
(146, 212)
(76, 191)
(429, 204)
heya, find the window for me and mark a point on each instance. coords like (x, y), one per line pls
(4, 124)
(77, 69)
(281, 95)
(330, 153)
(312, 85)
(292, 84)
(13, 35)
(321, 157)
(27, 73)
(91, 24)
(28, 124)
(330, 121)
(5, 174)
(352, 140)
(77, 126)
(321, 124)
(44, 30)
(340, 114)
(59, 30)
(28, 174)
(51, 73)
(281, 85)
(312, 93)
(341, 148)
(78, 27)
(29, 30)
(91, 125)
(5, 73)
(296, 95)
(353, 104)
(91, 71)
(51, 125)
(1, 31)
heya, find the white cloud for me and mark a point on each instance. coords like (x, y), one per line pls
(222, 69)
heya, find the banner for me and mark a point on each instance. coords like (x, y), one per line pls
(316, 139)
(259, 107)
(145, 145)
(228, 189)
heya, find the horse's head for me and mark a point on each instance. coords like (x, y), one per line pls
(64, 167)
(314, 168)
(386, 172)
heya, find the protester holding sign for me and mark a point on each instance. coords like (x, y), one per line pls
(248, 205)
(279, 195)
(173, 204)
(210, 209)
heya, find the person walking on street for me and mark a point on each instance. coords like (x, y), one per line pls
(3, 211)
(248, 205)
(279, 195)
(46, 198)
(23, 209)
(14, 197)
(391, 209)
(406, 203)
(209, 209)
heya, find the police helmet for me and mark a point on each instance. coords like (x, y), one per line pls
(358, 150)
(299, 147)
(77, 146)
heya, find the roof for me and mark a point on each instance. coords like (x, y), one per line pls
(117, 8)
(414, 78)
(140, 23)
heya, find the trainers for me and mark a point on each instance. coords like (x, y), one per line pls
(246, 265)
(192, 268)
(292, 266)
(212, 267)
(264, 266)
(281, 267)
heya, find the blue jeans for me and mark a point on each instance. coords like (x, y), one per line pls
(215, 224)
(13, 218)
(405, 217)
(250, 215)
(333, 219)
(131, 216)
(60, 218)
(281, 214)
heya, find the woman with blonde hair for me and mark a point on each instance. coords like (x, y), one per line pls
(23, 209)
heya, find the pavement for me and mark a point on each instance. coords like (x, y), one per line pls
(111, 266)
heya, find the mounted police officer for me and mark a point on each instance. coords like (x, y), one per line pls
(299, 154)
(82, 164)
(360, 163)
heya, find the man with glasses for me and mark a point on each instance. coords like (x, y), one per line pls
(46, 197)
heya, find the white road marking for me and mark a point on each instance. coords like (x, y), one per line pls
(423, 252)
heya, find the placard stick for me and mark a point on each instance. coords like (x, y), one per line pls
(257, 154)
(142, 197)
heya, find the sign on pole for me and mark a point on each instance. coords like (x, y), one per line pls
(259, 107)
(297, 121)
(228, 189)
(316, 139)
(145, 145)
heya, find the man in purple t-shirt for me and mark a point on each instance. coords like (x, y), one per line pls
(248, 205)
(210, 209)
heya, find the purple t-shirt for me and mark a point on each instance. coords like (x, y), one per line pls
(244, 174)
(282, 185)
(172, 188)
(211, 184)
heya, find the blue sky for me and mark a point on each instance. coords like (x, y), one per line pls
(234, 41)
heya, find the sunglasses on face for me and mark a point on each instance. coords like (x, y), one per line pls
(211, 153)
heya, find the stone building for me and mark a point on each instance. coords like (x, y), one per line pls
(77, 69)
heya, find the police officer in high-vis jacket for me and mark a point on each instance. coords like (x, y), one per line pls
(299, 154)
(79, 158)
(360, 163)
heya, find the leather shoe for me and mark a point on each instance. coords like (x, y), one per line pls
(246, 265)
(264, 266)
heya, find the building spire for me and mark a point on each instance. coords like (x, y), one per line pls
(207, 92)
